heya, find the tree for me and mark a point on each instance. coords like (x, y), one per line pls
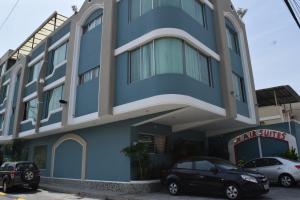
(139, 153)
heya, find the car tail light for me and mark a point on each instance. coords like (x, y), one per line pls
(13, 174)
(297, 166)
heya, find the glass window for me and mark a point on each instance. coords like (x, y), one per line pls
(154, 143)
(89, 75)
(26, 166)
(34, 71)
(60, 54)
(250, 164)
(203, 165)
(192, 7)
(168, 56)
(31, 109)
(93, 24)
(273, 161)
(4, 92)
(195, 9)
(261, 163)
(1, 120)
(197, 65)
(184, 165)
(40, 156)
(232, 40)
(52, 99)
(141, 61)
(239, 88)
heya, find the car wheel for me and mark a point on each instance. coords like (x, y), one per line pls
(5, 187)
(232, 192)
(173, 188)
(286, 180)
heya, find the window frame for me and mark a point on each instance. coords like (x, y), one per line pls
(92, 72)
(2, 117)
(47, 97)
(154, 144)
(184, 66)
(242, 88)
(26, 110)
(203, 10)
(54, 66)
(234, 39)
(33, 66)
(86, 28)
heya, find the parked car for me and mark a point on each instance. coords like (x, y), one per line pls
(283, 171)
(207, 174)
(25, 174)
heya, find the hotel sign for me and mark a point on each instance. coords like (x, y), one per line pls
(266, 133)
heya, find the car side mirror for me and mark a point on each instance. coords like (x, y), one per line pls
(214, 170)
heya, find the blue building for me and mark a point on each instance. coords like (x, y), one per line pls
(167, 73)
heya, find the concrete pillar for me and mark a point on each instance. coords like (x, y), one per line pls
(107, 75)
(226, 69)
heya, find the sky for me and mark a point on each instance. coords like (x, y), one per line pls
(274, 39)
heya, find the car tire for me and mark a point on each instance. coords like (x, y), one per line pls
(5, 187)
(286, 180)
(173, 188)
(232, 192)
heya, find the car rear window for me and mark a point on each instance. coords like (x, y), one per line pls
(26, 166)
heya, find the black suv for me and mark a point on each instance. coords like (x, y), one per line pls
(214, 175)
(25, 174)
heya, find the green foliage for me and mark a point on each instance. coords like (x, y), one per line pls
(138, 152)
(291, 154)
(241, 163)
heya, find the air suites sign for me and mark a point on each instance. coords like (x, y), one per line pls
(260, 133)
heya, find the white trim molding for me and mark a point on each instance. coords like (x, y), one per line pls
(77, 139)
(56, 67)
(30, 97)
(246, 68)
(50, 127)
(84, 118)
(59, 42)
(168, 99)
(54, 84)
(36, 59)
(270, 118)
(75, 59)
(27, 121)
(6, 82)
(167, 32)
(51, 113)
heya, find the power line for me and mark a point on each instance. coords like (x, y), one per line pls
(9, 14)
(294, 11)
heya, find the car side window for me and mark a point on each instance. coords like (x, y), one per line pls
(262, 162)
(250, 164)
(203, 165)
(273, 161)
(10, 168)
(184, 165)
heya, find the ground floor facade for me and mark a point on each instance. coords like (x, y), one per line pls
(246, 144)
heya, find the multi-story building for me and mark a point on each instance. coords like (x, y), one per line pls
(117, 72)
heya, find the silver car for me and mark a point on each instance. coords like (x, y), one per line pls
(279, 170)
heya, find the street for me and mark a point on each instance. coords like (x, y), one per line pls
(24, 194)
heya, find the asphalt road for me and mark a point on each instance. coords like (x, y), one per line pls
(24, 194)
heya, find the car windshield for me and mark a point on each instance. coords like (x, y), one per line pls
(26, 166)
(224, 164)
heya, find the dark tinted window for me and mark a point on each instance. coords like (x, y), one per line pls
(26, 166)
(184, 165)
(250, 164)
(203, 165)
(261, 162)
(272, 162)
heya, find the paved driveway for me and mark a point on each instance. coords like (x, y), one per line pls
(278, 193)
(25, 194)
(275, 193)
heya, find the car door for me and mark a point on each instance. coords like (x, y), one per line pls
(3, 171)
(184, 170)
(207, 180)
(271, 168)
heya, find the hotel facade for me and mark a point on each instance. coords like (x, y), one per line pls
(167, 73)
